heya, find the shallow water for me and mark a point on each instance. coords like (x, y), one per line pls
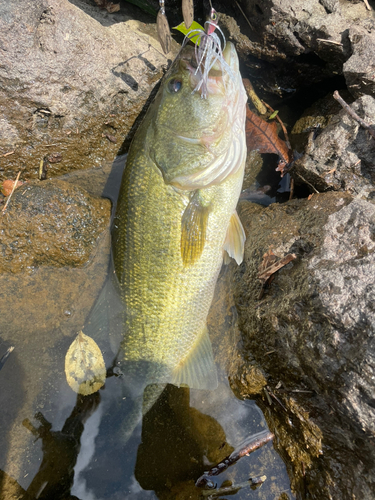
(78, 449)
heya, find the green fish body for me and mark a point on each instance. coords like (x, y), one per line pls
(175, 218)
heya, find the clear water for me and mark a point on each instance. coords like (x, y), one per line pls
(79, 452)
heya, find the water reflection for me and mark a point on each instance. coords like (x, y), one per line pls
(57, 446)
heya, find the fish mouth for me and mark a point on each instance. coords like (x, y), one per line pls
(224, 68)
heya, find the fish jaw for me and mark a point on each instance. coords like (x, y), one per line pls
(195, 142)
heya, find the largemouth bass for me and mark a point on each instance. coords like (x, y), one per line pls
(175, 217)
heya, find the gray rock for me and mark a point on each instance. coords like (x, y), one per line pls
(342, 157)
(70, 84)
(50, 223)
(314, 331)
(310, 38)
(359, 70)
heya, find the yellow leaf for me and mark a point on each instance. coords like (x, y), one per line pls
(84, 365)
(184, 30)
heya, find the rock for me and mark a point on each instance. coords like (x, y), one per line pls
(359, 70)
(342, 157)
(50, 223)
(305, 41)
(313, 335)
(84, 84)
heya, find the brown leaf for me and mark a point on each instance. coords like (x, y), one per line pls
(262, 136)
(7, 186)
(108, 6)
(270, 264)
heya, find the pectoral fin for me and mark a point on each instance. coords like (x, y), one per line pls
(198, 369)
(193, 230)
(235, 239)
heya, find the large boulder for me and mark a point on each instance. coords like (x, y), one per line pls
(71, 87)
(312, 332)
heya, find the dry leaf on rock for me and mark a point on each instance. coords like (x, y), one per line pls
(84, 365)
(7, 186)
(108, 6)
(271, 263)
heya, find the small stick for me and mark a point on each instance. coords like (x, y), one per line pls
(11, 193)
(307, 182)
(281, 123)
(291, 189)
(233, 458)
(7, 154)
(251, 94)
(228, 490)
(367, 5)
(5, 357)
(244, 15)
(353, 114)
(329, 41)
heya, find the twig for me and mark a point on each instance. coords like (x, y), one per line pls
(11, 193)
(229, 490)
(205, 479)
(251, 94)
(307, 182)
(276, 399)
(5, 357)
(329, 41)
(281, 123)
(273, 268)
(353, 114)
(367, 5)
(244, 15)
(7, 154)
(291, 189)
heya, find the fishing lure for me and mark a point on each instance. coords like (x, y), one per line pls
(208, 51)
(164, 33)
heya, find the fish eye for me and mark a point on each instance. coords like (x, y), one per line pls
(174, 85)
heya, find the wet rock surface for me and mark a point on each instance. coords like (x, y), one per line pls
(88, 76)
(50, 223)
(312, 333)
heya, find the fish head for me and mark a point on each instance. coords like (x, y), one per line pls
(198, 141)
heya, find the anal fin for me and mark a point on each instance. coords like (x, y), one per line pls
(198, 370)
(235, 239)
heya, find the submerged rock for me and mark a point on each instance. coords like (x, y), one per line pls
(50, 223)
(313, 334)
(84, 84)
(342, 157)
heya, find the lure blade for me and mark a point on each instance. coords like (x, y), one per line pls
(188, 12)
(164, 33)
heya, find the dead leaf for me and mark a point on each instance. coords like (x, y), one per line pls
(7, 186)
(84, 365)
(263, 137)
(270, 264)
(108, 6)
